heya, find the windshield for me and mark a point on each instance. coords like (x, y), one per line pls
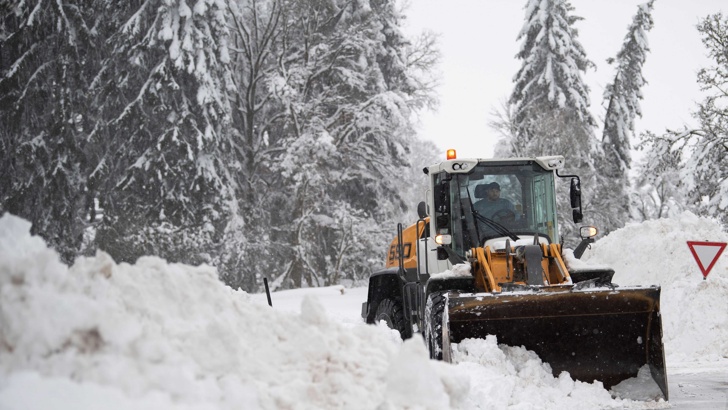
(493, 201)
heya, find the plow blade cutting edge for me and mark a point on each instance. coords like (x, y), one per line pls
(595, 334)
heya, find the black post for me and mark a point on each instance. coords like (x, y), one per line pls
(267, 291)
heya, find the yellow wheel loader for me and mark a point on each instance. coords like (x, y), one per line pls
(486, 257)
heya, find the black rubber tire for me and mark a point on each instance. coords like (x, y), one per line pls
(434, 311)
(391, 312)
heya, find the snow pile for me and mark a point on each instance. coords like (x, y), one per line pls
(642, 387)
(513, 377)
(155, 335)
(158, 336)
(694, 311)
(573, 263)
(414, 383)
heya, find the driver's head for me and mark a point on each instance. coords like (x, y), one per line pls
(492, 191)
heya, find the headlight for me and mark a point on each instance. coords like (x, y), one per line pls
(443, 239)
(588, 232)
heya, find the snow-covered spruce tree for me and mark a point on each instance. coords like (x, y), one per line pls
(709, 159)
(550, 101)
(48, 54)
(659, 187)
(252, 247)
(422, 154)
(324, 92)
(350, 117)
(700, 156)
(162, 96)
(622, 98)
(421, 58)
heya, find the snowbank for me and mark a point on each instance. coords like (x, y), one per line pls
(157, 335)
(694, 311)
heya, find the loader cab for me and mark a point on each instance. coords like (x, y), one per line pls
(461, 209)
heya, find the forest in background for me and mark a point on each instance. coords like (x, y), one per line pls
(275, 138)
(549, 112)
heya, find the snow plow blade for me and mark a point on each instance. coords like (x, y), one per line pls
(594, 334)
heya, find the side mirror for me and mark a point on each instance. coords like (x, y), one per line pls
(575, 196)
(577, 215)
(575, 193)
(422, 210)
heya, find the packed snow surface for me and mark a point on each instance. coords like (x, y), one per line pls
(156, 335)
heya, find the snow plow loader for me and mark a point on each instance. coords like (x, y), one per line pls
(477, 263)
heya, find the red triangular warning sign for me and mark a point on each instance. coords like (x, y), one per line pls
(706, 254)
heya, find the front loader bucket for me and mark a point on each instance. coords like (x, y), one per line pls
(594, 334)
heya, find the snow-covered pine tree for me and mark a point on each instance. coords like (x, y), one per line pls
(162, 94)
(699, 157)
(350, 124)
(550, 101)
(622, 97)
(709, 160)
(308, 168)
(323, 95)
(48, 54)
(659, 185)
(421, 59)
(253, 247)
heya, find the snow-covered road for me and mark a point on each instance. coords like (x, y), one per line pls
(698, 386)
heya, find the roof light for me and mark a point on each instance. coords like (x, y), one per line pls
(451, 154)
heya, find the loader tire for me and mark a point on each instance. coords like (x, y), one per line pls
(390, 311)
(434, 311)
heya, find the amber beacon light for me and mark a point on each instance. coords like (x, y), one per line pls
(451, 154)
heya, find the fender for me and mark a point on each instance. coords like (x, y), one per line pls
(383, 284)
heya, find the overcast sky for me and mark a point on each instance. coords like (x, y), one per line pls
(478, 45)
